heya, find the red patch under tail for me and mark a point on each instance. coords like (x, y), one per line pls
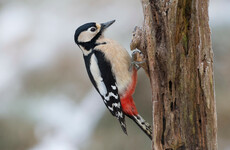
(128, 106)
(127, 103)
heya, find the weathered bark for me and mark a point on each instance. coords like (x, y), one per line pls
(175, 38)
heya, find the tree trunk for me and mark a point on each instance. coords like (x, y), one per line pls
(175, 39)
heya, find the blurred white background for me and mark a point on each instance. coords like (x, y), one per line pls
(46, 99)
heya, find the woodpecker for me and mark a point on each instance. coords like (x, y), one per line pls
(108, 67)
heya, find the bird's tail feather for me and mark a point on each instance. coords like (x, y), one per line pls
(143, 125)
(121, 119)
(123, 126)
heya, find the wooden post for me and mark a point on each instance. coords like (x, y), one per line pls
(175, 38)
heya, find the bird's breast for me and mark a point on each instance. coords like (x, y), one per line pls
(120, 62)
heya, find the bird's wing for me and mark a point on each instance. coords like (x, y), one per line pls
(104, 81)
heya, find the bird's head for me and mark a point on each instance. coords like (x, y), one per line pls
(90, 32)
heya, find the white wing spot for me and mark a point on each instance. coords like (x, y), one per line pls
(118, 105)
(113, 87)
(111, 94)
(110, 108)
(119, 114)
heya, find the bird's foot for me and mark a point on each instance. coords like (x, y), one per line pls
(137, 59)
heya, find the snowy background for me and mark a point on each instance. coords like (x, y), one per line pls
(46, 99)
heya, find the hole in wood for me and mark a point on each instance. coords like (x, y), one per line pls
(170, 87)
(171, 106)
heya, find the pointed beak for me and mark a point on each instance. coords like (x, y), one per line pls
(106, 24)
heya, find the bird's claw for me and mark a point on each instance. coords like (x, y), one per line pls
(136, 56)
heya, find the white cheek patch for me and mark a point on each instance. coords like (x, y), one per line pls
(97, 75)
(86, 36)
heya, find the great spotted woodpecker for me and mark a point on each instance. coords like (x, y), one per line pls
(108, 66)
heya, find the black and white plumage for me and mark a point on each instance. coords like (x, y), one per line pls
(108, 66)
(99, 69)
(100, 73)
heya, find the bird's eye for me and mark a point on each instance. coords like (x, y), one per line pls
(93, 29)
